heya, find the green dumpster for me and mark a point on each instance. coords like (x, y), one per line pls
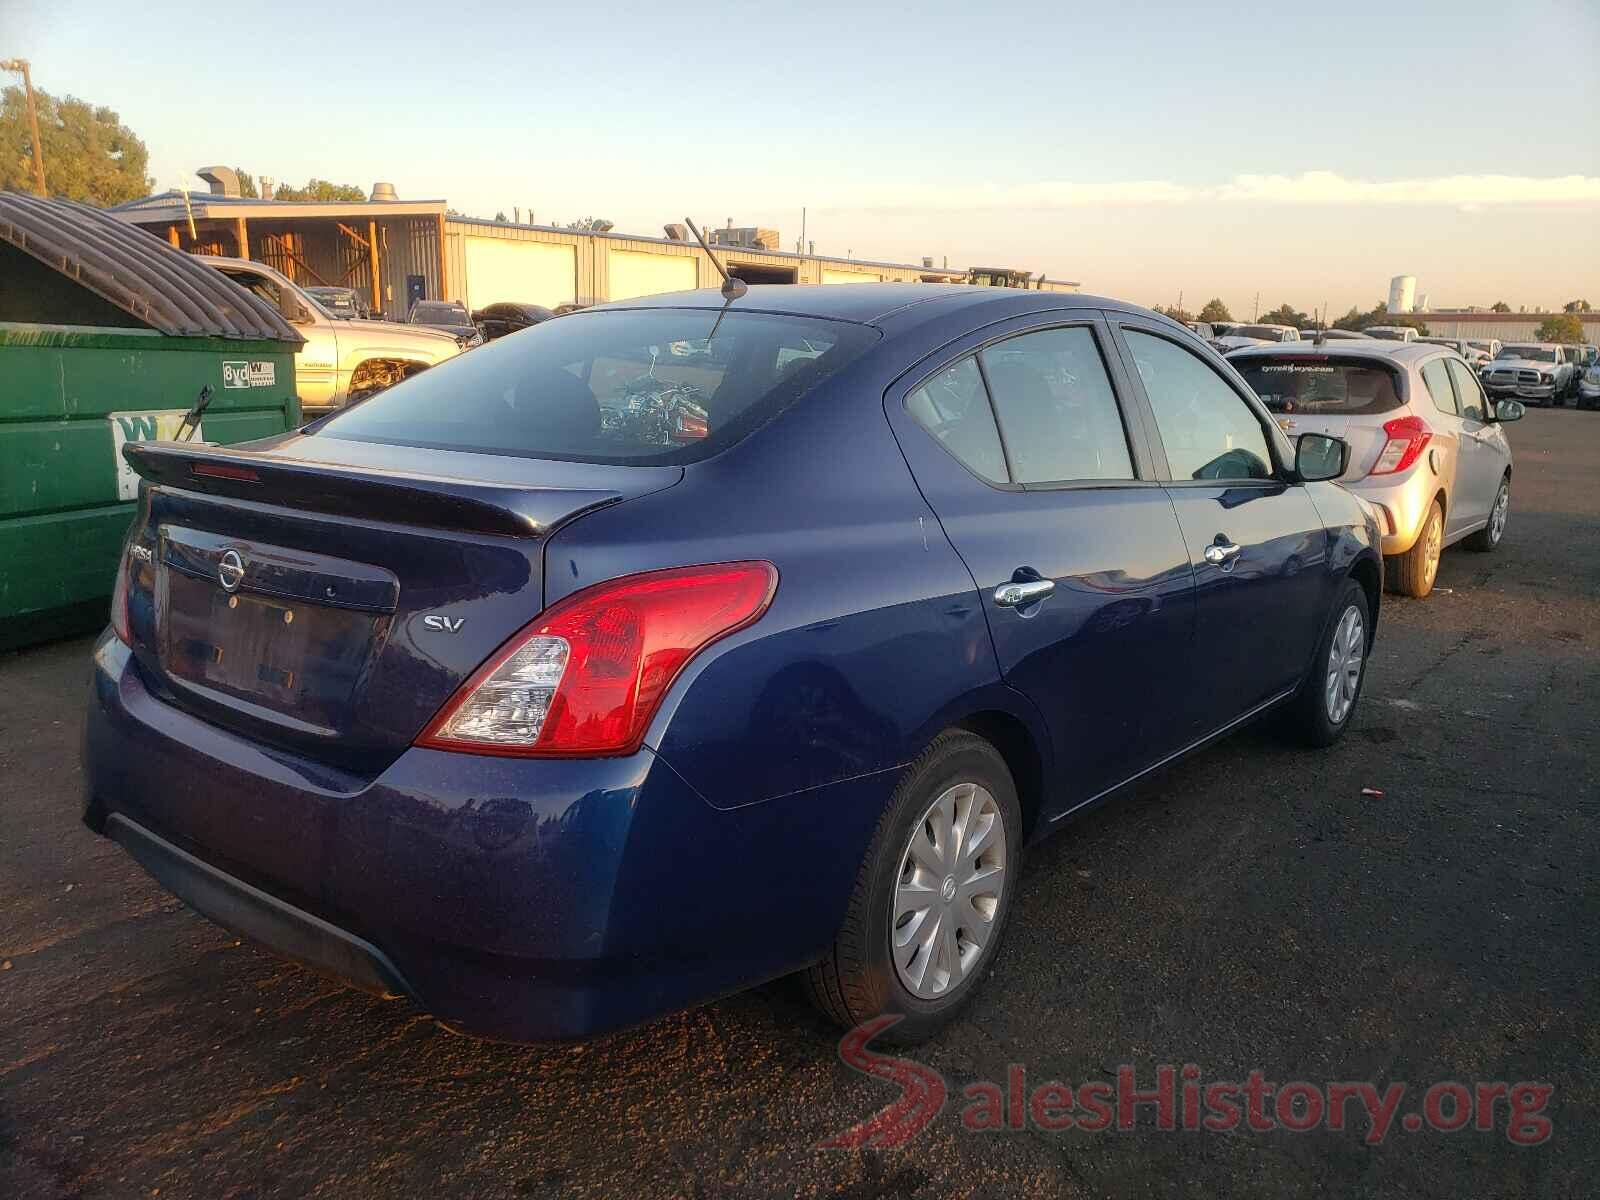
(109, 335)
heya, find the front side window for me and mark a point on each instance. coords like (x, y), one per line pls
(1207, 429)
(1056, 408)
(628, 386)
(954, 409)
(1437, 379)
(1468, 391)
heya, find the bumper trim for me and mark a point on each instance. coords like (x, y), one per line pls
(289, 931)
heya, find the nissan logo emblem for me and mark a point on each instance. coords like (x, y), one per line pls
(230, 570)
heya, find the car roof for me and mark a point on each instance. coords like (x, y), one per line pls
(871, 303)
(1404, 352)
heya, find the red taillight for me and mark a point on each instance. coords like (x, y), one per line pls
(119, 601)
(1407, 437)
(225, 471)
(586, 677)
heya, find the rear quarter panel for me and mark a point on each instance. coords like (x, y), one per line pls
(875, 635)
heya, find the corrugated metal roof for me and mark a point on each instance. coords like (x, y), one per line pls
(168, 290)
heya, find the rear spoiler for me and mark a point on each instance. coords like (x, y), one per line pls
(370, 493)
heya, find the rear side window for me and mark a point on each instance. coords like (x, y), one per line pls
(624, 386)
(1301, 384)
(1437, 378)
(954, 408)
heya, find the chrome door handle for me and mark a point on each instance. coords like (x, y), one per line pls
(1016, 595)
(1220, 553)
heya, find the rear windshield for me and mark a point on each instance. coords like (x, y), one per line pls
(1299, 385)
(627, 386)
(1265, 332)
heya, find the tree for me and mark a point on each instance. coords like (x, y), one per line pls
(500, 217)
(89, 154)
(1286, 315)
(591, 225)
(1354, 320)
(1565, 328)
(1576, 306)
(1500, 306)
(1215, 310)
(247, 184)
(320, 190)
(1176, 313)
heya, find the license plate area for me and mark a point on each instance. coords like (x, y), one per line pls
(269, 643)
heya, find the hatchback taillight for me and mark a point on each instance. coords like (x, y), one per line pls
(586, 677)
(1407, 438)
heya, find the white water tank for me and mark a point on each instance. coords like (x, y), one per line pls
(1402, 293)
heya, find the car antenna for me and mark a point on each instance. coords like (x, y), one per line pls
(732, 286)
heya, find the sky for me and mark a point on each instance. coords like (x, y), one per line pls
(1147, 150)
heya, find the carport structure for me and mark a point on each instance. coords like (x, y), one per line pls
(390, 250)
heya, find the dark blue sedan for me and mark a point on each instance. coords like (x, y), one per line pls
(677, 645)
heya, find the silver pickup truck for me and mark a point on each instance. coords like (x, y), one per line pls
(1539, 372)
(342, 360)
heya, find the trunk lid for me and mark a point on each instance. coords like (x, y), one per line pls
(327, 596)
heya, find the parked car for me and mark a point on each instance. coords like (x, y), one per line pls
(572, 683)
(1426, 445)
(347, 303)
(1201, 329)
(497, 320)
(1489, 346)
(1256, 335)
(341, 360)
(1589, 386)
(1392, 333)
(1535, 371)
(1475, 357)
(448, 315)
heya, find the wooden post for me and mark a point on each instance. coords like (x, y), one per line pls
(372, 251)
(172, 236)
(243, 236)
(444, 276)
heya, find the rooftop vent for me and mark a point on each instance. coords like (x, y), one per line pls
(224, 181)
(676, 233)
(384, 192)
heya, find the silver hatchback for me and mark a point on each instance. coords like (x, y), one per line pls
(1427, 450)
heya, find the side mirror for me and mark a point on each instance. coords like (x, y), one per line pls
(289, 305)
(1318, 456)
(1509, 410)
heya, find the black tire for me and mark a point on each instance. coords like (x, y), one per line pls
(857, 979)
(1306, 719)
(1486, 539)
(1410, 573)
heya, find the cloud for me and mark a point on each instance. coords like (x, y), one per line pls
(1467, 192)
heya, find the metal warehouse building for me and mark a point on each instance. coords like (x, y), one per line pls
(398, 252)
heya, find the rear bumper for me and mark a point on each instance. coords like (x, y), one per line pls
(513, 899)
(1402, 505)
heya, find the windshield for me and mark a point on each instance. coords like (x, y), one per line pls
(633, 386)
(439, 313)
(1317, 386)
(1388, 335)
(1528, 353)
(1268, 333)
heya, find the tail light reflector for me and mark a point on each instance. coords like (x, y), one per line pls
(1407, 438)
(586, 676)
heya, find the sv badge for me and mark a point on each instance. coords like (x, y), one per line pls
(439, 623)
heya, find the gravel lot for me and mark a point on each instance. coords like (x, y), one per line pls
(1249, 909)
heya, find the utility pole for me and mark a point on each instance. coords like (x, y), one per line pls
(1257, 315)
(20, 65)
